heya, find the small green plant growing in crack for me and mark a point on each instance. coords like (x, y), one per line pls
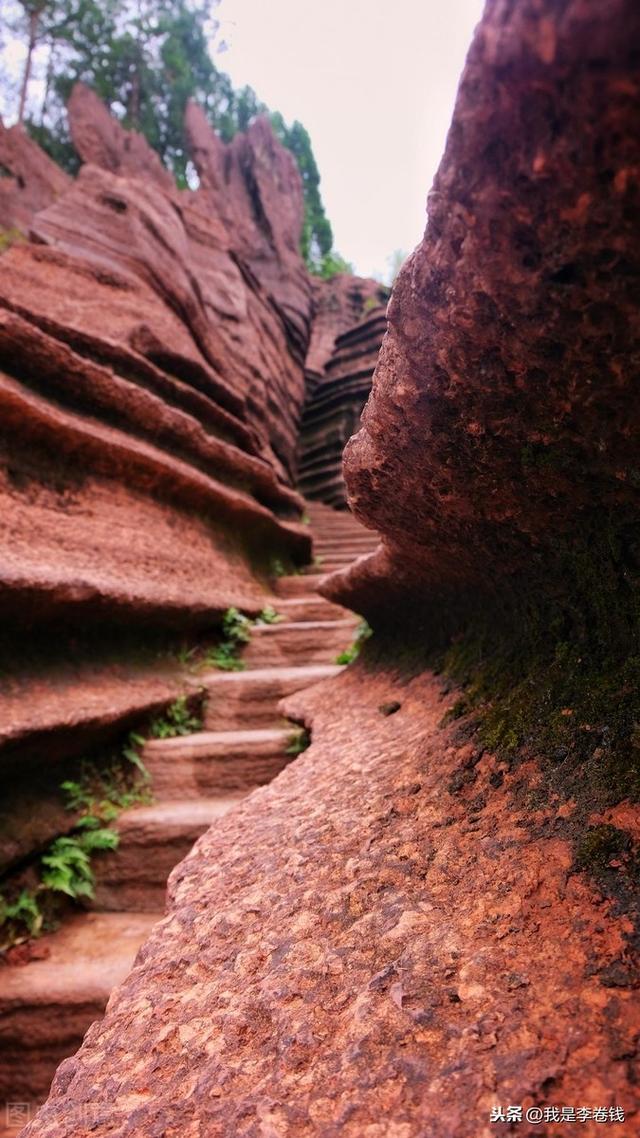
(96, 797)
(363, 632)
(269, 615)
(236, 630)
(298, 741)
(177, 720)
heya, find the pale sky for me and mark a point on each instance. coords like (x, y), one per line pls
(374, 83)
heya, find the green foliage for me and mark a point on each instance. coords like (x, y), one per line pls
(269, 615)
(20, 919)
(67, 865)
(146, 59)
(9, 237)
(316, 239)
(276, 568)
(97, 796)
(298, 741)
(224, 657)
(330, 265)
(177, 720)
(131, 752)
(185, 654)
(236, 628)
(351, 653)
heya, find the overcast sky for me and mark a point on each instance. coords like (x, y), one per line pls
(374, 83)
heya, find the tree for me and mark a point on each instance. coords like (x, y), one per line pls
(146, 59)
(317, 235)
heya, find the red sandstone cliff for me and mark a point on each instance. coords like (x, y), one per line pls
(335, 398)
(396, 937)
(151, 383)
(501, 426)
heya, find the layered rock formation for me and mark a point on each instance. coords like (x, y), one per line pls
(144, 378)
(408, 940)
(499, 440)
(336, 394)
(151, 383)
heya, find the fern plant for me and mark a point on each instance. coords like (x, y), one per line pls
(177, 720)
(67, 865)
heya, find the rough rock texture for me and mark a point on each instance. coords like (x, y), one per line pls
(29, 179)
(339, 304)
(334, 404)
(503, 420)
(399, 946)
(252, 183)
(140, 373)
(151, 384)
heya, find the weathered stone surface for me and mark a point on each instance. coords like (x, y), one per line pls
(151, 382)
(136, 350)
(503, 420)
(101, 141)
(65, 989)
(253, 185)
(385, 940)
(29, 179)
(334, 405)
(339, 303)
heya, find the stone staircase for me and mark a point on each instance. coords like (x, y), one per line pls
(47, 1005)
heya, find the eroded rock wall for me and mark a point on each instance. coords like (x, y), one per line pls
(151, 383)
(409, 941)
(29, 180)
(500, 436)
(334, 404)
(143, 368)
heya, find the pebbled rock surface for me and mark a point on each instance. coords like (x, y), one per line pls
(387, 940)
(334, 406)
(503, 417)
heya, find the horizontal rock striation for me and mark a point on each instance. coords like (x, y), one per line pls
(151, 383)
(143, 372)
(500, 438)
(334, 405)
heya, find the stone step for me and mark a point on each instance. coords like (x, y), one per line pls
(310, 607)
(335, 561)
(243, 699)
(338, 543)
(343, 552)
(47, 1005)
(214, 763)
(304, 642)
(153, 839)
(298, 586)
(341, 533)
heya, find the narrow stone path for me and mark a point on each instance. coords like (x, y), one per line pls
(47, 1005)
